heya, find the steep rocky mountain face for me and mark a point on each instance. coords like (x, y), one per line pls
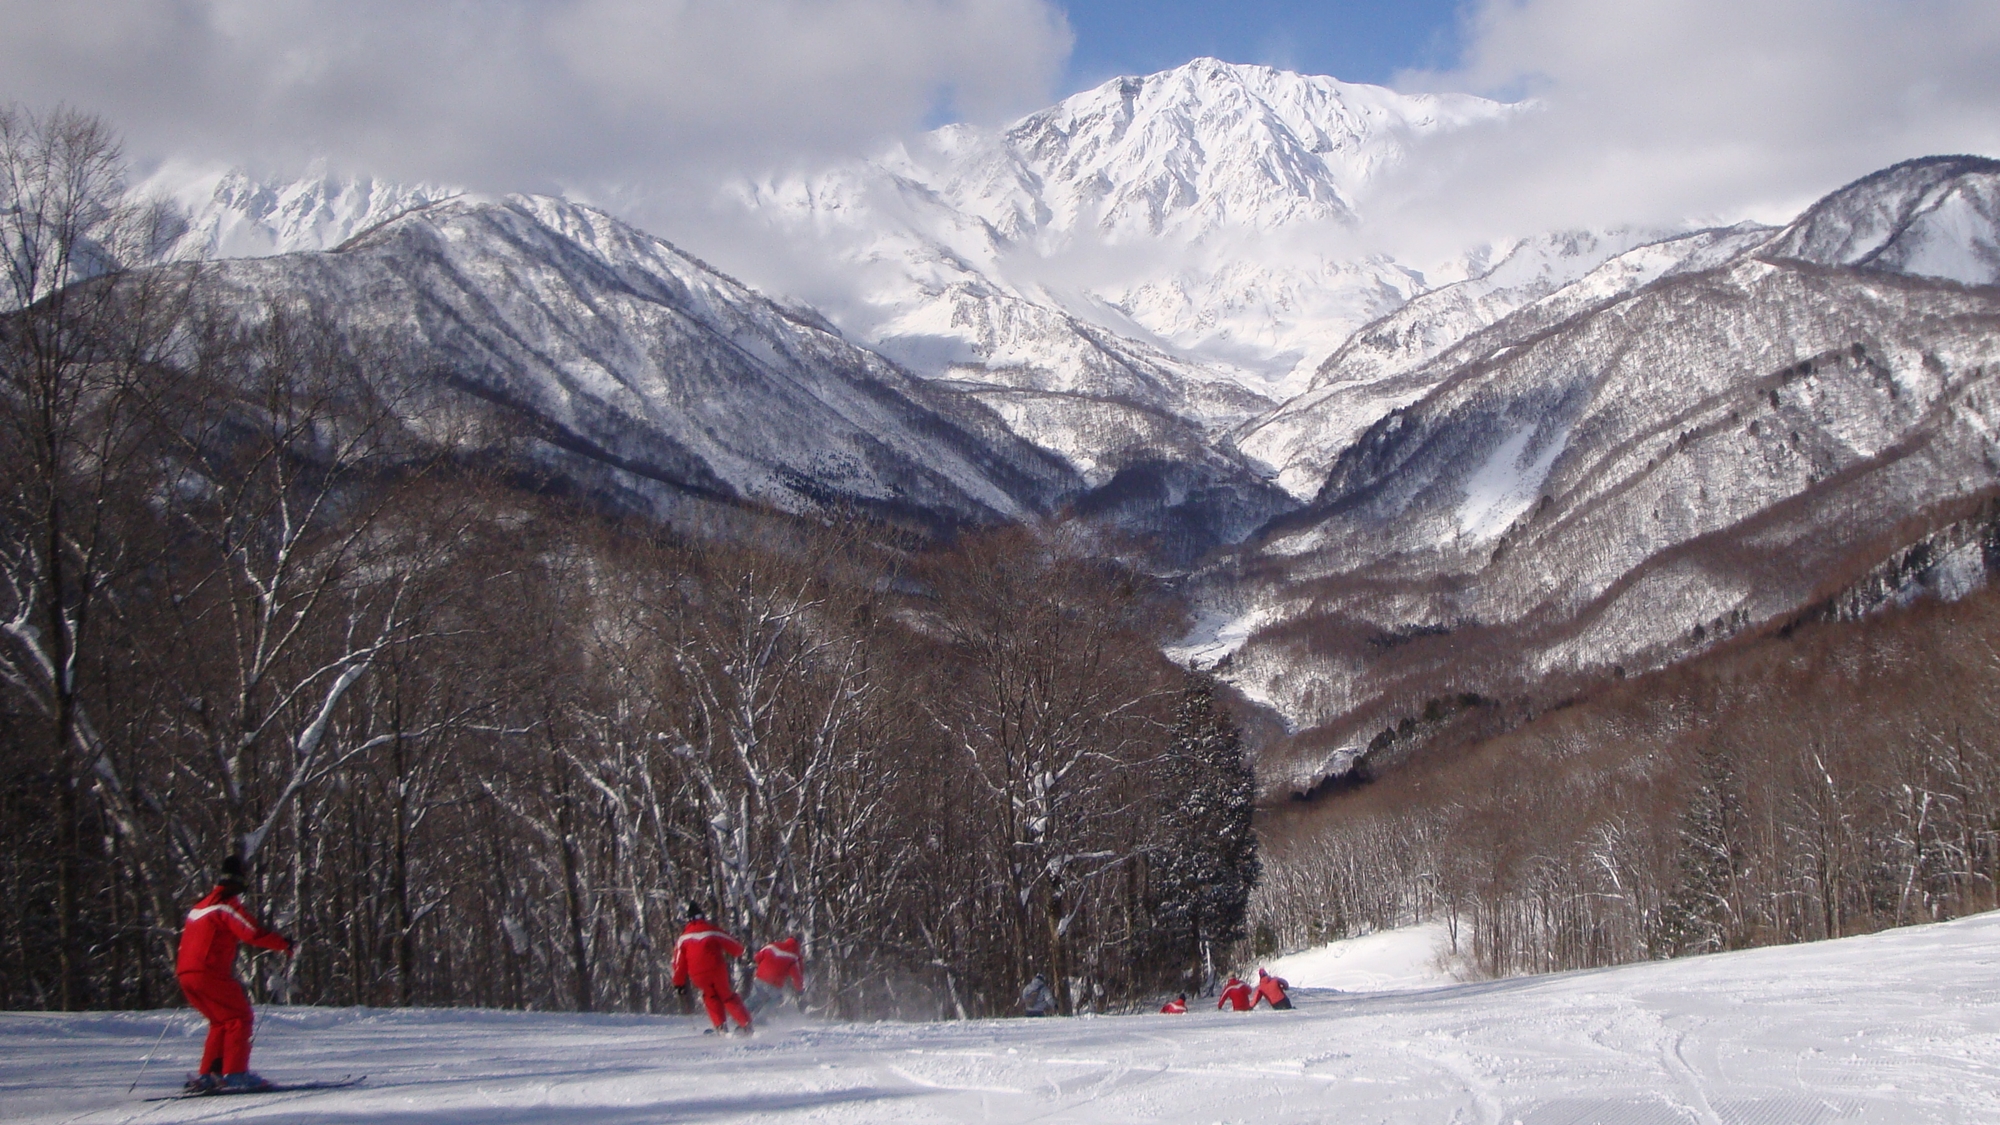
(1132, 281)
(235, 215)
(1377, 369)
(1673, 449)
(646, 375)
(1120, 279)
(1181, 209)
(1927, 218)
(1156, 254)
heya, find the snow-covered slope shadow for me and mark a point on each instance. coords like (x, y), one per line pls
(1893, 1028)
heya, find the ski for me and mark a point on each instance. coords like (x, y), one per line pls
(273, 1088)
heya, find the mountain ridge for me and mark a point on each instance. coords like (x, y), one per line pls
(1544, 459)
(1188, 161)
(1613, 479)
(653, 361)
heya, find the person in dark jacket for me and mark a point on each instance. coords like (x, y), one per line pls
(206, 968)
(702, 956)
(1037, 998)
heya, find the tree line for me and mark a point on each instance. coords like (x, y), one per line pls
(265, 590)
(1831, 780)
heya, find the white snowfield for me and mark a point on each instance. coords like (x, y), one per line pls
(1893, 1028)
(1390, 961)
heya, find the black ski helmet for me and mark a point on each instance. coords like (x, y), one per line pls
(694, 911)
(231, 879)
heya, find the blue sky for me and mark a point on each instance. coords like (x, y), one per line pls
(1355, 40)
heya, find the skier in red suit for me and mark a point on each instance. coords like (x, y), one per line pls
(1236, 996)
(777, 964)
(1175, 1007)
(1271, 990)
(702, 956)
(206, 968)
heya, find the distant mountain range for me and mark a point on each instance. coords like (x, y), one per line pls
(643, 374)
(1179, 210)
(1572, 454)
(1703, 436)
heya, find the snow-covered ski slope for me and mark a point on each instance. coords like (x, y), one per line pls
(1893, 1028)
(1403, 960)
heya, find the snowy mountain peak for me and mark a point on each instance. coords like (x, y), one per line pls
(1213, 144)
(1159, 210)
(232, 214)
(1938, 216)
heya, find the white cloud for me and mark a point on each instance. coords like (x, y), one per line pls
(1649, 111)
(527, 94)
(1668, 110)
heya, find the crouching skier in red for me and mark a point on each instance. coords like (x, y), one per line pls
(1271, 990)
(1175, 1007)
(206, 968)
(702, 955)
(1236, 996)
(777, 964)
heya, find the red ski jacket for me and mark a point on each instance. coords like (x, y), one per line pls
(704, 951)
(1270, 989)
(1173, 1008)
(1236, 995)
(778, 962)
(213, 929)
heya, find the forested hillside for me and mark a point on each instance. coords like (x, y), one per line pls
(1823, 780)
(479, 735)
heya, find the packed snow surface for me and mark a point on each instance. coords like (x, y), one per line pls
(1894, 1028)
(1397, 960)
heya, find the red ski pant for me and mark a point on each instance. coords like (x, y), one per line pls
(720, 996)
(222, 1000)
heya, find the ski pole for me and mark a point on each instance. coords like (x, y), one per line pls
(149, 1055)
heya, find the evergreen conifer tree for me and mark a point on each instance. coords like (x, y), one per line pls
(1207, 863)
(1700, 914)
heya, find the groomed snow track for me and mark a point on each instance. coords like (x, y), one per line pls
(1894, 1028)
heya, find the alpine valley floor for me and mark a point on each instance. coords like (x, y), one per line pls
(1897, 1027)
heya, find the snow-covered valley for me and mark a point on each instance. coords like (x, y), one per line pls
(1894, 1028)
